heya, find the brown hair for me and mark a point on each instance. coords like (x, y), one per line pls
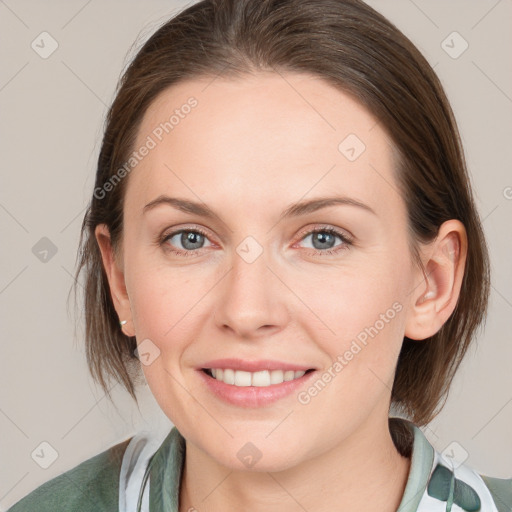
(357, 50)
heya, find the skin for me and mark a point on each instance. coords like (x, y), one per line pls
(250, 148)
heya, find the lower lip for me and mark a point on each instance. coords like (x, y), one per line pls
(253, 396)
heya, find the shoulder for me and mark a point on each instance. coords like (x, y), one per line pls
(470, 490)
(439, 480)
(90, 486)
(501, 491)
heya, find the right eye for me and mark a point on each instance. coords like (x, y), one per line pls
(190, 239)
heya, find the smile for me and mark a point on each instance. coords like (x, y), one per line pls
(261, 388)
(263, 378)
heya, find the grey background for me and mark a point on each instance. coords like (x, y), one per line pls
(52, 113)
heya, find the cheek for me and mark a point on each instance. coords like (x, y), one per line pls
(162, 306)
(351, 300)
(357, 317)
(364, 320)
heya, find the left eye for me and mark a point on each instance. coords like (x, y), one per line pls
(323, 239)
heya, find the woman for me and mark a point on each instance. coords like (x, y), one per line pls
(283, 237)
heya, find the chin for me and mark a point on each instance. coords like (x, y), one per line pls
(255, 458)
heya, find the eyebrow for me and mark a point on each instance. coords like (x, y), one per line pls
(294, 210)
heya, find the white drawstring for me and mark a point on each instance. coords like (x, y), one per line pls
(449, 501)
(134, 474)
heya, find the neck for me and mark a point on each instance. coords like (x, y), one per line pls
(363, 473)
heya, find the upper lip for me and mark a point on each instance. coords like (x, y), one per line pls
(253, 366)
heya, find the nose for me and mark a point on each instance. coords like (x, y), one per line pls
(251, 299)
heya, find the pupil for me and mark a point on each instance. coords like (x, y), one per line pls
(193, 238)
(321, 237)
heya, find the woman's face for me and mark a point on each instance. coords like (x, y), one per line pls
(257, 282)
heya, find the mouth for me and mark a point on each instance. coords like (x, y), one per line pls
(263, 378)
(253, 384)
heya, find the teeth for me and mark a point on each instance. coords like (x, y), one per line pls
(260, 379)
(229, 376)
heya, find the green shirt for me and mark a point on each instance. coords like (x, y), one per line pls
(433, 484)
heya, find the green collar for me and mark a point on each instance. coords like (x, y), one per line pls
(166, 467)
(165, 470)
(422, 459)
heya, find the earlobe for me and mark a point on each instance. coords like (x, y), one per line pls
(115, 276)
(434, 300)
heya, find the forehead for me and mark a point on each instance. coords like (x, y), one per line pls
(268, 137)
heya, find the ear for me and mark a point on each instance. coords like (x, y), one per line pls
(435, 298)
(115, 277)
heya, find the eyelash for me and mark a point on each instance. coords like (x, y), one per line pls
(347, 242)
